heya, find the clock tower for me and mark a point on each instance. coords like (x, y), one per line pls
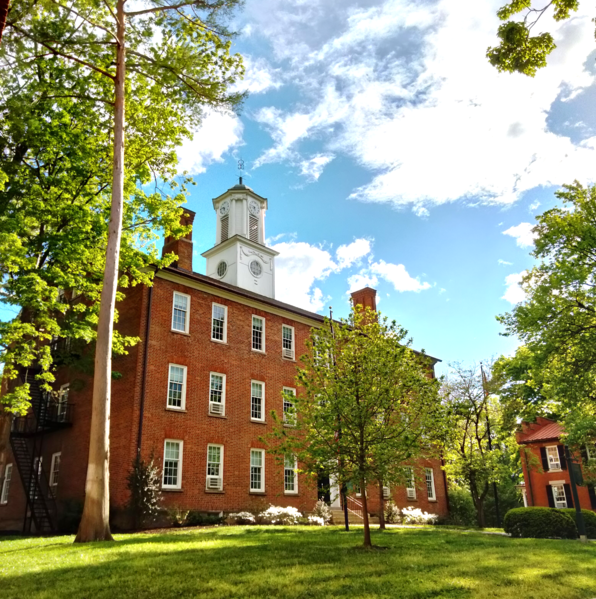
(240, 256)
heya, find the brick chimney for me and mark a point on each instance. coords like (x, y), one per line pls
(367, 298)
(181, 247)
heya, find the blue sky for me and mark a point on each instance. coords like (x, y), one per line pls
(393, 155)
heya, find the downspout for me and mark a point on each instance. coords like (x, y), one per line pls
(145, 359)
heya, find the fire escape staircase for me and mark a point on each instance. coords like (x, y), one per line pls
(26, 440)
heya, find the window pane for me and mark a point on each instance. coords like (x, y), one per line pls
(180, 311)
(256, 470)
(287, 337)
(290, 473)
(218, 322)
(430, 487)
(213, 460)
(553, 458)
(256, 401)
(257, 333)
(216, 391)
(171, 464)
(289, 413)
(175, 386)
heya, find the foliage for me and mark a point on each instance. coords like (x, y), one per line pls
(540, 523)
(553, 372)
(197, 518)
(392, 513)
(414, 515)
(272, 515)
(519, 50)
(589, 520)
(291, 563)
(322, 511)
(241, 518)
(178, 515)
(368, 408)
(461, 507)
(56, 137)
(144, 486)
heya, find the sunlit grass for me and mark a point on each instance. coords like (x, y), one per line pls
(295, 562)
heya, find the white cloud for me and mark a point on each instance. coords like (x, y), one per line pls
(313, 167)
(405, 89)
(259, 76)
(504, 262)
(513, 292)
(398, 276)
(360, 281)
(353, 252)
(219, 133)
(523, 234)
(534, 206)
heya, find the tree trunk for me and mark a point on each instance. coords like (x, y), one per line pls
(4, 5)
(95, 523)
(367, 542)
(382, 508)
(480, 513)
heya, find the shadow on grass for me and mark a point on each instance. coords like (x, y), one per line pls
(296, 563)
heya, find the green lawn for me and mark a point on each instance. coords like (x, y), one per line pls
(265, 562)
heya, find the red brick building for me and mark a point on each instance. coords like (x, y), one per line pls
(217, 352)
(546, 471)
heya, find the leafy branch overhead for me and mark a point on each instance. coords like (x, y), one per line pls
(521, 49)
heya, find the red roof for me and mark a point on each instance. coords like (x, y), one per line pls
(552, 430)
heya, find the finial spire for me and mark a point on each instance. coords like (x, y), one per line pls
(241, 168)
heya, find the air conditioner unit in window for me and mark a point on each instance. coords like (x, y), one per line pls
(411, 493)
(288, 353)
(216, 408)
(214, 483)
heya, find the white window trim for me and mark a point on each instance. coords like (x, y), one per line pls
(179, 485)
(262, 488)
(5, 487)
(225, 331)
(287, 326)
(295, 491)
(411, 491)
(262, 401)
(63, 405)
(58, 454)
(183, 406)
(221, 467)
(293, 391)
(260, 351)
(559, 483)
(556, 448)
(223, 394)
(432, 480)
(187, 319)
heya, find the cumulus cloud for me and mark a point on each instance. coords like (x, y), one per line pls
(313, 167)
(514, 294)
(219, 133)
(360, 281)
(352, 252)
(391, 85)
(259, 76)
(504, 262)
(398, 276)
(523, 234)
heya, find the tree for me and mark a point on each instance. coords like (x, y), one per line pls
(144, 485)
(557, 321)
(519, 51)
(474, 453)
(181, 48)
(368, 406)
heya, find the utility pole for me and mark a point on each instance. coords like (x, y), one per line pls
(490, 443)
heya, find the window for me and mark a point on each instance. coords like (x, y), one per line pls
(256, 270)
(386, 492)
(218, 323)
(253, 228)
(258, 333)
(214, 467)
(358, 490)
(62, 403)
(591, 451)
(257, 400)
(172, 464)
(552, 454)
(217, 394)
(410, 484)
(180, 312)
(257, 473)
(290, 478)
(55, 469)
(559, 495)
(287, 341)
(6, 484)
(225, 222)
(430, 484)
(222, 268)
(35, 478)
(289, 409)
(177, 387)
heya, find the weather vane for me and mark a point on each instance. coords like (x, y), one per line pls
(241, 168)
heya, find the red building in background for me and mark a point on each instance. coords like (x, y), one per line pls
(217, 353)
(546, 472)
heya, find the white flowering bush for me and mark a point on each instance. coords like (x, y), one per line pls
(322, 511)
(280, 515)
(241, 518)
(412, 515)
(316, 520)
(392, 513)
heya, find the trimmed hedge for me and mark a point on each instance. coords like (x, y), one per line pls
(540, 523)
(589, 519)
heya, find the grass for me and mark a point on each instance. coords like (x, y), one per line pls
(264, 562)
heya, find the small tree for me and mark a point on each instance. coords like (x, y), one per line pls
(144, 484)
(368, 405)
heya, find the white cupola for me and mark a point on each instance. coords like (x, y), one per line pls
(240, 256)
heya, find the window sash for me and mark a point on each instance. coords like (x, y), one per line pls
(257, 478)
(410, 484)
(218, 323)
(288, 406)
(290, 475)
(258, 333)
(55, 469)
(180, 312)
(214, 461)
(172, 464)
(216, 388)
(257, 400)
(287, 340)
(552, 454)
(177, 386)
(559, 496)
(6, 484)
(430, 483)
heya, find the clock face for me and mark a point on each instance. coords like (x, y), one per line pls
(254, 208)
(224, 208)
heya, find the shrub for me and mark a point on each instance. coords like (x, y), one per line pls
(392, 514)
(589, 519)
(322, 511)
(196, 518)
(280, 515)
(540, 523)
(144, 485)
(177, 516)
(461, 508)
(317, 520)
(70, 516)
(241, 518)
(411, 515)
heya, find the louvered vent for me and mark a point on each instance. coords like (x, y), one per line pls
(216, 408)
(411, 493)
(214, 483)
(253, 228)
(224, 227)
